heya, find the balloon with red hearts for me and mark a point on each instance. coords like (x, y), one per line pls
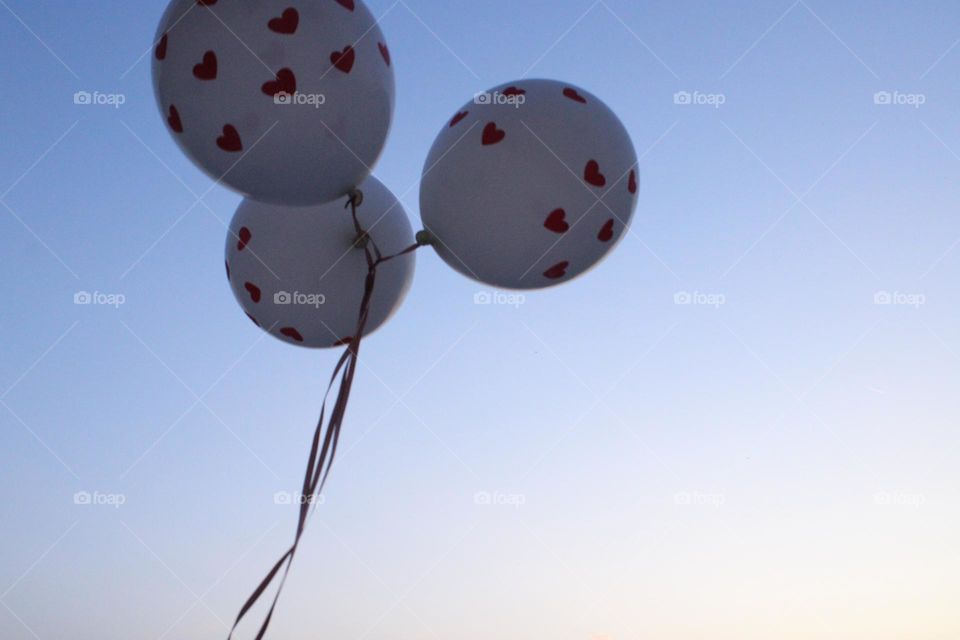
(285, 101)
(529, 185)
(297, 271)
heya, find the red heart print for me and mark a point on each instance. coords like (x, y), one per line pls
(287, 23)
(513, 91)
(492, 135)
(174, 120)
(343, 60)
(632, 182)
(253, 290)
(161, 50)
(606, 232)
(243, 238)
(592, 174)
(292, 333)
(286, 83)
(557, 271)
(458, 118)
(206, 3)
(206, 70)
(230, 140)
(348, 4)
(573, 95)
(385, 52)
(557, 222)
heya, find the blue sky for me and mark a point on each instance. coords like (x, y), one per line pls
(777, 457)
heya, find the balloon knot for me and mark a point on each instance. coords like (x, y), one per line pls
(362, 240)
(425, 238)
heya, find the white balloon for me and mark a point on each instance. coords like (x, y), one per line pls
(298, 274)
(529, 185)
(286, 101)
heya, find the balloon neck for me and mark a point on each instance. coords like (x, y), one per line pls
(355, 197)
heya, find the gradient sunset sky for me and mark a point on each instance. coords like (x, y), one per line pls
(742, 425)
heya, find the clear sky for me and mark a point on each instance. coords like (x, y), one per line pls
(777, 458)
